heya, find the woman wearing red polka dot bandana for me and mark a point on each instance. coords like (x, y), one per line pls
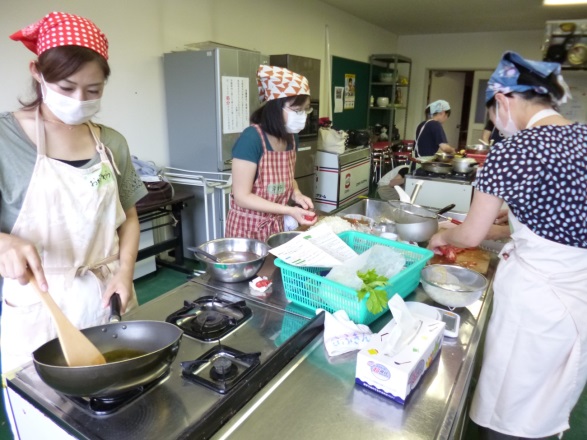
(67, 191)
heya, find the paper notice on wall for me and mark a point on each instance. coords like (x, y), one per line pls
(338, 97)
(349, 91)
(235, 104)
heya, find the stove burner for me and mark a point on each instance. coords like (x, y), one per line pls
(210, 318)
(220, 368)
(103, 406)
(464, 177)
(223, 369)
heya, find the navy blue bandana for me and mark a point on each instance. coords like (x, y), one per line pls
(506, 76)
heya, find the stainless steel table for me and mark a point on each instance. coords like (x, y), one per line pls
(315, 397)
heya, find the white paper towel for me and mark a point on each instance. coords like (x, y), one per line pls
(406, 327)
(342, 335)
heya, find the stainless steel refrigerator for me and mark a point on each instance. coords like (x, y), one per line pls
(306, 156)
(209, 95)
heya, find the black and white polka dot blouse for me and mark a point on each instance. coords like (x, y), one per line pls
(541, 173)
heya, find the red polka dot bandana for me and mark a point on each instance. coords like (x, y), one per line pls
(277, 82)
(62, 29)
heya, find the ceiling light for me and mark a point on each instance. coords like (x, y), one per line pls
(563, 2)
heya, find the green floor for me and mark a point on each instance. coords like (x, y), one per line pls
(165, 279)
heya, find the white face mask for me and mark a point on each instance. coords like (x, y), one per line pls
(69, 110)
(295, 122)
(510, 128)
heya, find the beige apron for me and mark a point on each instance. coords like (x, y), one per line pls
(72, 215)
(535, 360)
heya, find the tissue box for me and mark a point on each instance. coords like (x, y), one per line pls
(396, 376)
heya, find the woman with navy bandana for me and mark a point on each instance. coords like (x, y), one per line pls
(535, 359)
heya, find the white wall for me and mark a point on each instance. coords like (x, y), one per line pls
(467, 51)
(140, 31)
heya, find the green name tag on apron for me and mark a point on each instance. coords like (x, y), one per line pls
(276, 188)
(96, 180)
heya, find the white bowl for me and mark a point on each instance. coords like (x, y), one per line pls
(382, 101)
(452, 286)
(421, 309)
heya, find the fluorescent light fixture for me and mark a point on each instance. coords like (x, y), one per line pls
(564, 2)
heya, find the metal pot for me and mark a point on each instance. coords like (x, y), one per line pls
(477, 149)
(464, 164)
(433, 167)
(441, 156)
(146, 349)
(413, 222)
(437, 167)
(241, 258)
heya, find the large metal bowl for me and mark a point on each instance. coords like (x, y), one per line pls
(413, 222)
(452, 286)
(241, 258)
(281, 238)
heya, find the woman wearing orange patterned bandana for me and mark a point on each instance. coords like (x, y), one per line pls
(67, 191)
(264, 159)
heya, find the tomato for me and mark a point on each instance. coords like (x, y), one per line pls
(309, 217)
(262, 283)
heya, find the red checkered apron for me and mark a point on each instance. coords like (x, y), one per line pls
(274, 182)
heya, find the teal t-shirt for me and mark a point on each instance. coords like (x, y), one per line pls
(249, 146)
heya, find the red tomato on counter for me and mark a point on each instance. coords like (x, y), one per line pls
(262, 283)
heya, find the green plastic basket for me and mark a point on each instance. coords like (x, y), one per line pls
(307, 286)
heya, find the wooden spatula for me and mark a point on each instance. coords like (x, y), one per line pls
(77, 348)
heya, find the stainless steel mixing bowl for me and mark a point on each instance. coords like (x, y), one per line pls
(240, 258)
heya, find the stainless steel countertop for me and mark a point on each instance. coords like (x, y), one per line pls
(315, 396)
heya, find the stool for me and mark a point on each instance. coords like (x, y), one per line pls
(400, 158)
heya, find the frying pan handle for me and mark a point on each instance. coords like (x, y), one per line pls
(115, 306)
(445, 209)
(413, 159)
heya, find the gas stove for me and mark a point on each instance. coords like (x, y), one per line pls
(232, 346)
(452, 176)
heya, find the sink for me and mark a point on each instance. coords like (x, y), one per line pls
(380, 210)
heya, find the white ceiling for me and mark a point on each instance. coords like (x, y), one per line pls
(412, 17)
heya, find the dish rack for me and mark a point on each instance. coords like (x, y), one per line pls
(307, 286)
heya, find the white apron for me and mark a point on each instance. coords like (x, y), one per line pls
(72, 215)
(535, 360)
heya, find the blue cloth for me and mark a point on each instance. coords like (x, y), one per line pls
(430, 138)
(541, 173)
(505, 79)
(145, 168)
(438, 106)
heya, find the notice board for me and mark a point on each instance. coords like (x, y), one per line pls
(358, 72)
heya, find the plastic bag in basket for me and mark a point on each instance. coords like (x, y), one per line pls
(386, 261)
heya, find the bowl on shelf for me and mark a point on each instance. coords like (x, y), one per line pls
(382, 101)
(386, 77)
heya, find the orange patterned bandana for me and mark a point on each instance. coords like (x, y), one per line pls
(276, 82)
(62, 29)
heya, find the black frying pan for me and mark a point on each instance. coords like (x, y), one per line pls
(155, 343)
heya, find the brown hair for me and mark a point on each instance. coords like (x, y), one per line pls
(59, 63)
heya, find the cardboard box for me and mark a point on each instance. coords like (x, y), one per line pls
(396, 376)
